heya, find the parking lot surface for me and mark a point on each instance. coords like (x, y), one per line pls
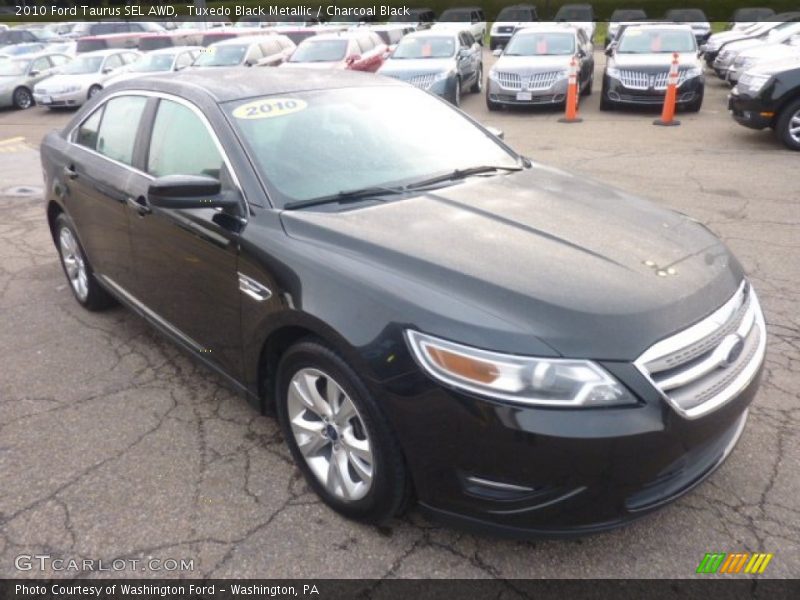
(115, 445)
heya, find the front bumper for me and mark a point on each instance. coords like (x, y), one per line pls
(617, 93)
(750, 112)
(61, 99)
(555, 94)
(529, 472)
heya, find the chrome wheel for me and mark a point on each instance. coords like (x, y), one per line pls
(23, 98)
(330, 434)
(794, 127)
(74, 264)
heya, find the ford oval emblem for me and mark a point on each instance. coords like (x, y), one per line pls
(730, 349)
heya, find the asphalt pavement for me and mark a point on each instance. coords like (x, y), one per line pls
(115, 445)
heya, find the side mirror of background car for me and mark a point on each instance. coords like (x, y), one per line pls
(498, 133)
(34, 73)
(497, 52)
(611, 47)
(581, 53)
(189, 191)
(108, 70)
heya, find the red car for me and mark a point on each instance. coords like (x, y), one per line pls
(359, 50)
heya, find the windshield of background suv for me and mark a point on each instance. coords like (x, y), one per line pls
(425, 47)
(514, 14)
(320, 51)
(152, 63)
(12, 68)
(314, 144)
(656, 41)
(83, 65)
(574, 14)
(541, 44)
(221, 56)
(687, 15)
(456, 16)
(621, 15)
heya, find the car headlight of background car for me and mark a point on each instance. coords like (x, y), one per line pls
(752, 84)
(742, 63)
(613, 72)
(692, 72)
(444, 75)
(519, 379)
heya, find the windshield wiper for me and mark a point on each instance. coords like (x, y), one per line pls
(347, 196)
(460, 174)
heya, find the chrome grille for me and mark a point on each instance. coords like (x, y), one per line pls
(639, 80)
(703, 367)
(533, 81)
(422, 81)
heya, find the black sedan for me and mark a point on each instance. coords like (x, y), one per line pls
(431, 315)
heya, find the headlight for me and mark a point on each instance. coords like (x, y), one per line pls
(752, 84)
(493, 74)
(519, 379)
(441, 76)
(693, 72)
(613, 72)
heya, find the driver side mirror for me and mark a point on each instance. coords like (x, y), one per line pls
(107, 70)
(189, 191)
(581, 53)
(611, 48)
(34, 73)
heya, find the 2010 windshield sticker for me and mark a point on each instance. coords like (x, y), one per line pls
(267, 108)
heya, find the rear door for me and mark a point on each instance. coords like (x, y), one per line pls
(97, 174)
(186, 260)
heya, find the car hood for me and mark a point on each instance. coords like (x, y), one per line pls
(532, 64)
(59, 81)
(338, 64)
(127, 76)
(653, 60)
(771, 51)
(779, 65)
(587, 270)
(399, 66)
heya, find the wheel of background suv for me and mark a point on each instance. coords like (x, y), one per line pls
(93, 90)
(478, 85)
(696, 104)
(605, 103)
(22, 98)
(587, 91)
(491, 104)
(76, 267)
(787, 127)
(338, 435)
(456, 98)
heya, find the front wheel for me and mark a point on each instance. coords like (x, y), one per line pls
(455, 99)
(95, 89)
(605, 103)
(587, 91)
(339, 436)
(22, 98)
(696, 104)
(787, 127)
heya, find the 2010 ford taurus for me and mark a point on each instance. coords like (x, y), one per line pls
(436, 319)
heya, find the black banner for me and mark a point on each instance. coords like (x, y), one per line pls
(555, 589)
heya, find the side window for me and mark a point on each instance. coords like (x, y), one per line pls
(113, 62)
(129, 57)
(40, 64)
(86, 135)
(181, 144)
(119, 127)
(184, 60)
(59, 59)
(469, 40)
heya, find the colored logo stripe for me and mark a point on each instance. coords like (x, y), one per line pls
(721, 562)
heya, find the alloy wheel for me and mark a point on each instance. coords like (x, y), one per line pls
(794, 127)
(74, 264)
(23, 98)
(330, 434)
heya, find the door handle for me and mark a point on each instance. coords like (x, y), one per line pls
(138, 204)
(70, 172)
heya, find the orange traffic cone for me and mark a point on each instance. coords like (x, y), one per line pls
(670, 98)
(571, 112)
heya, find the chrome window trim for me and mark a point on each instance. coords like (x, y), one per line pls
(165, 96)
(701, 329)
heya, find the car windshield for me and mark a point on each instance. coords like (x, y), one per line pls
(456, 16)
(621, 15)
(12, 68)
(426, 47)
(514, 14)
(315, 144)
(541, 44)
(752, 14)
(688, 15)
(228, 55)
(152, 63)
(574, 13)
(83, 65)
(656, 41)
(320, 51)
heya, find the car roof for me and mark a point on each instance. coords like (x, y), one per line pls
(35, 55)
(645, 25)
(548, 28)
(107, 51)
(444, 32)
(174, 49)
(233, 83)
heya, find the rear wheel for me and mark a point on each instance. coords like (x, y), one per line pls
(76, 267)
(338, 435)
(22, 98)
(95, 89)
(478, 85)
(787, 127)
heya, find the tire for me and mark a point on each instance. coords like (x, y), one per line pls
(95, 89)
(787, 127)
(477, 87)
(77, 268)
(455, 99)
(369, 481)
(587, 91)
(605, 103)
(695, 105)
(22, 98)
(491, 104)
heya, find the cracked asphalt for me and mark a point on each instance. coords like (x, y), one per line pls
(114, 444)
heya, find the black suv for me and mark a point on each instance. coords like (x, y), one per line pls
(769, 96)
